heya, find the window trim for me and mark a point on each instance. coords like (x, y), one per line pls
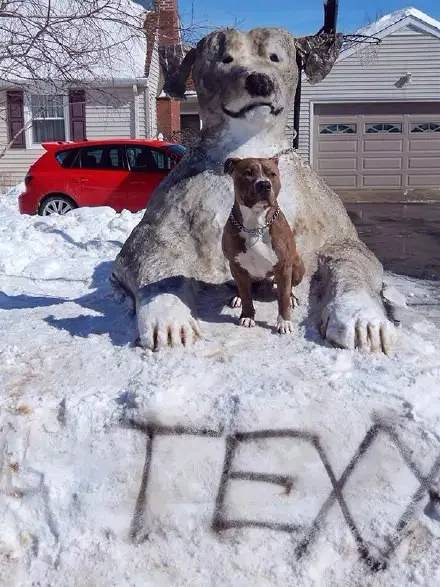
(323, 125)
(414, 124)
(28, 119)
(383, 132)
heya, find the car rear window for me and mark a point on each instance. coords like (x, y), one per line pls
(67, 157)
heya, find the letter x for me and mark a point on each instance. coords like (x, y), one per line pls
(221, 523)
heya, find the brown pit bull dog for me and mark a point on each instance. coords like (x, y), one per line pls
(258, 241)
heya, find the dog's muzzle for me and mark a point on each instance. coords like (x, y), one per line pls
(263, 187)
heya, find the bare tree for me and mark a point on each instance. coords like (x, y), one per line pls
(54, 44)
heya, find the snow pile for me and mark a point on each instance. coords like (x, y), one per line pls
(113, 468)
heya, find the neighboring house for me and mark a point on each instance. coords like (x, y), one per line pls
(121, 102)
(373, 125)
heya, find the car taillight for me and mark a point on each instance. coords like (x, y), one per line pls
(27, 180)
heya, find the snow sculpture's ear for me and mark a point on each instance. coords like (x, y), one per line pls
(176, 80)
(318, 54)
(229, 165)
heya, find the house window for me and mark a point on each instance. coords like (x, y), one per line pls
(425, 127)
(47, 118)
(338, 129)
(383, 128)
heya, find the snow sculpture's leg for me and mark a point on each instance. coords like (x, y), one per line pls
(352, 310)
(164, 316)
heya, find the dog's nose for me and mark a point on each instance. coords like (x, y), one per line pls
(263, 187)
(259, 84)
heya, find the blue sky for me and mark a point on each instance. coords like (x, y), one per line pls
(299, 17)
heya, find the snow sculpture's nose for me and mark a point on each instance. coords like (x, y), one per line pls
(259, 84)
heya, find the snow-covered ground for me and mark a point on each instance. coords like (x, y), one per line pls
(112, 458)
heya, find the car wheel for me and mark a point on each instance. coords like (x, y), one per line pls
(56, 205)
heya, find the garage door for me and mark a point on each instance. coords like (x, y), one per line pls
(378, 146)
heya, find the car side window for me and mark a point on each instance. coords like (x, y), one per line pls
(163, 162)
(141, 158)
(109, 157)
(67, 158)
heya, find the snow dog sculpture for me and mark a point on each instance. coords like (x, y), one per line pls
(245, 84)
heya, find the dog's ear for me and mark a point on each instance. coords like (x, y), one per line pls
(177, 77)
(230, 165)
(318, 54)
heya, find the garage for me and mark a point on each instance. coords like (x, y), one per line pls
(378, 146)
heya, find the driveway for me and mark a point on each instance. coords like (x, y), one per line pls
(405, 237)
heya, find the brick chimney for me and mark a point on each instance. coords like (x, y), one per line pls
(169, 24)
(168, 109)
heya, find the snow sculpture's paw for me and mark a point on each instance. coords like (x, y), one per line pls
(166, 321)
(357, 320)
(235, 302)
(247, 322)
(284, 326)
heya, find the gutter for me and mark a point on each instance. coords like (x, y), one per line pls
(87, 84)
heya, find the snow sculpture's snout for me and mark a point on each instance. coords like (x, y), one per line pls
(256, 181)
(251, 76)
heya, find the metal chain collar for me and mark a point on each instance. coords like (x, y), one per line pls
(259, 231)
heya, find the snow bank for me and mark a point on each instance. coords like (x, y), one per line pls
(249, 460)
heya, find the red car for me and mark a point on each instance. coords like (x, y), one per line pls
(120, 173)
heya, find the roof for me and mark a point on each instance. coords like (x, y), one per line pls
(390, 23)
(382, 25)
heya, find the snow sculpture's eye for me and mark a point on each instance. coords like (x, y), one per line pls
(228, 59)
(274, 57)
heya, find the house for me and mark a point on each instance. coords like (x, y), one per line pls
(371, 129)
(118, 101)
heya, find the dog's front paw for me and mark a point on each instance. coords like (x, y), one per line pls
(284, 326)
(166, 321)
(247, 322)
(357, 320)
(235, 302)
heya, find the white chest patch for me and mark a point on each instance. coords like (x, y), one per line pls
(259, 258)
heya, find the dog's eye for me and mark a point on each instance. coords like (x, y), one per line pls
(249, 173)
(274, 57)
(228, 59)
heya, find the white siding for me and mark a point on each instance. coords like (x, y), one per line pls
(110, 113)
(351, 80)
(154, 83)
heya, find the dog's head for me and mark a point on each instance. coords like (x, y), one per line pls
(237, 73)
(256, 181)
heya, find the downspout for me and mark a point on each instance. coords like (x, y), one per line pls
(135, 111)
(148, 124)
